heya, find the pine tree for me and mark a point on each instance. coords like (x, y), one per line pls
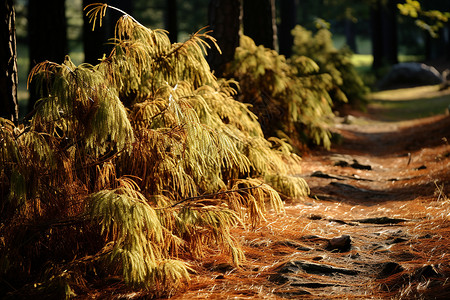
(132, 165)
(347, 86)
(290, 97)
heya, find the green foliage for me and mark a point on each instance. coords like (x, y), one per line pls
(290, 98)
(131, 166)
(346, 83)
(82, 105)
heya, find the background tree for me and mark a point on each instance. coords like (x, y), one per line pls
(8, 61)
(260, 23)
(194, 16)
(349, 16)
(432, 16)
(171, 20)
(288, 15)
(308, 10)
(350, 30)
(383, 15)
(389, 13)
(47, 36)
(224, 18)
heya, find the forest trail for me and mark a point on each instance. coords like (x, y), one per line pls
(376, 225)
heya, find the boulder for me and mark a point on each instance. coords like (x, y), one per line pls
(410, 74)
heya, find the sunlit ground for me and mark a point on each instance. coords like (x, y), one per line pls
(411, 103)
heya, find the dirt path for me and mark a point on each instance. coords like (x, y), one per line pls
(376, 225)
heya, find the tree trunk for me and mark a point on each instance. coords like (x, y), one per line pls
(47, 36)
(224, 18)
(171, 20)
(260, 22)
(350, 35)
(389, 30)
(376, 35)
(9, 107)
(94, 41)
(288, 14)
(384, 33)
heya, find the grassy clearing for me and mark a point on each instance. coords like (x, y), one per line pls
(363, 65)
(365, 60)
(410, 103)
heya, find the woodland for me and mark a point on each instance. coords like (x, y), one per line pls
(169, 163)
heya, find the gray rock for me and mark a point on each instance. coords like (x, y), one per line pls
(410, 74)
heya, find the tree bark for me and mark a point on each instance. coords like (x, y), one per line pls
(94, 41)
(47, 36)
(384, 33)
(288, 14)
(389, 30)
(224, 18)
(260, 22)
(376, 35)
(350, 35)
(9, 107)
(171, 20)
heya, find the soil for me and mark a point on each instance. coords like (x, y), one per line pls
(375, 226)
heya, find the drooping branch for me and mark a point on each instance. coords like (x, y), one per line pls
(98, 10)
(211, 195)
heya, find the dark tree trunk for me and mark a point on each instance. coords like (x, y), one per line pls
(94, 41)
(350, 35)
(446, 38)
(47, 36)
(389, 30)
(171, 20)
(9, 108)
(288, 14)
(384, 33)
(224, 18)
(303, 13)
(259, 22)
(376, 35)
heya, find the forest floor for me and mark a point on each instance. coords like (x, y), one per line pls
(376, 224)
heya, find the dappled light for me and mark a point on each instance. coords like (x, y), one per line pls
(146, 153)
(155, 165)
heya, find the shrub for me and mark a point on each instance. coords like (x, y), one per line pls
(290, 98)
(130, 167)
(347, 85)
